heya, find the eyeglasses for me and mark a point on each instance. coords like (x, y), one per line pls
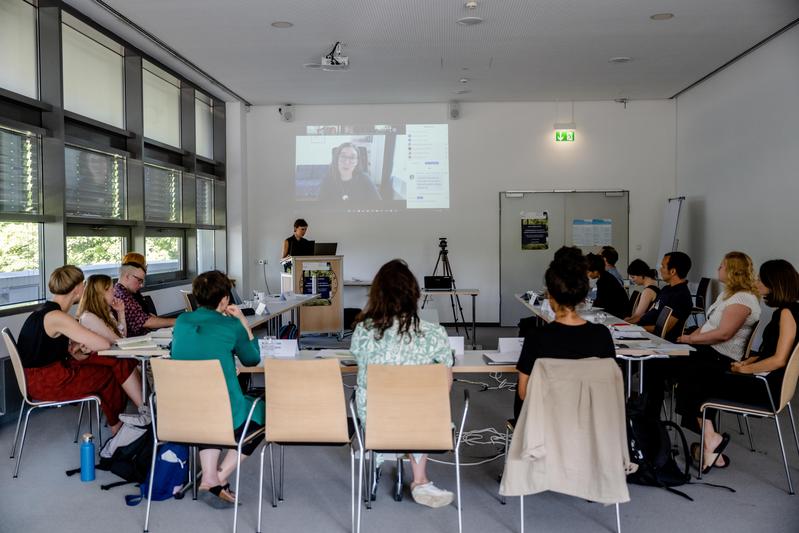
(348, 157)
(137, 278)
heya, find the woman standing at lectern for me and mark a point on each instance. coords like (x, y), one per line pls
(297, 244)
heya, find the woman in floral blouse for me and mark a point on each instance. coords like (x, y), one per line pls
(389, 332)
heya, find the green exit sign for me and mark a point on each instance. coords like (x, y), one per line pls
(564, 135)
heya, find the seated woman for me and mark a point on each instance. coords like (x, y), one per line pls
(568, 336)
(218, 331)
(610, 294)
(645, 277)
(720, 342)
(96, 304)
(58, 356)
(389, 332)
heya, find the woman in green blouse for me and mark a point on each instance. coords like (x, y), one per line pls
(389, 332)
(218, 330)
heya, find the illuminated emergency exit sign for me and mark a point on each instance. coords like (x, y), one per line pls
(564, 135)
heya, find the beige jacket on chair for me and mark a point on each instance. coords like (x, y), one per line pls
(571, 434)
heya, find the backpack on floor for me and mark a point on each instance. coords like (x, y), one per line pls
(651, 449)
(171, 474)
(289, 331)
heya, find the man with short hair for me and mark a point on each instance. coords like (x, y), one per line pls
(674, 269)
(611, 257)
(138, 321)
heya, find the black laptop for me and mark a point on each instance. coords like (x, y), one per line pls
(325, 248)
(438, 283)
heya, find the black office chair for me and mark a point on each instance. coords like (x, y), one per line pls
(700, 300)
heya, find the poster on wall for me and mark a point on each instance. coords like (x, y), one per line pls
(535, 231)
(590, 232)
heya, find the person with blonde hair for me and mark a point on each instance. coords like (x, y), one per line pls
(720, 342)
(58, 354)
(96, 306)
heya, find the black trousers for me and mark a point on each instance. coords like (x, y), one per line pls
(700, 380)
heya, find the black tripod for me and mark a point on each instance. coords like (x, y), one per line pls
(443, 260)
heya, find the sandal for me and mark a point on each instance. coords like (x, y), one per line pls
(725, 440)
(216, 497)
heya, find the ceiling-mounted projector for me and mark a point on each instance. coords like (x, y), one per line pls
(332, 61)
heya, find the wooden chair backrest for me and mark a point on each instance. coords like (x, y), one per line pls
(408, 408)
(305, 402)
(193, 402)
(16, 362)
(189, 301)
(790, 379)
(751, 340)
(662, 323)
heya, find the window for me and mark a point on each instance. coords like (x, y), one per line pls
(94, 252)
(205, 250)
(161, 93)
(94, 73)
(205, 202)
(162, 194)
(204, 126)
(20, 182)
(19, 65)
(163, 250)
(20, 275)
(95, 183)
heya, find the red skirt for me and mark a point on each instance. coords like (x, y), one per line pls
(72, 379)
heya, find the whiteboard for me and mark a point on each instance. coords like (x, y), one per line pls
(668, 230)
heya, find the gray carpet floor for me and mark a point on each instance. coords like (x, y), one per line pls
(317, 492)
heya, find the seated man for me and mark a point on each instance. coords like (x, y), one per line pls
(131, 281)
(611, 257)
(673, 269)
(610, 294)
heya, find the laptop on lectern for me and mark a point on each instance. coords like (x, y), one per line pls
(325, 248)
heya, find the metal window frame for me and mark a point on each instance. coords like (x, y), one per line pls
(165, 277)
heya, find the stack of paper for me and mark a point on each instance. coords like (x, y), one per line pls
(143, 342)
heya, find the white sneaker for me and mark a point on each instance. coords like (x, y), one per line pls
(431, 496)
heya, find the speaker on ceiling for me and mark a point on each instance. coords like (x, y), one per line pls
(454, 111)
(286, 112)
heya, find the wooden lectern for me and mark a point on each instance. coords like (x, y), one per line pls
(317, 274)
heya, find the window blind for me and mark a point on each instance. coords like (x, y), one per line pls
(95, 183)
(20, 178)
(162, 194)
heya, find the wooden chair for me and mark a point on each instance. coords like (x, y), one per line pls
(316, 417)
(32, 404)
(775, 408)
(635, 297)
(194, 408)
(663, 324)
(409, 411)
(700, 299)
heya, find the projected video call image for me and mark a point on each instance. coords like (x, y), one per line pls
(381, 166)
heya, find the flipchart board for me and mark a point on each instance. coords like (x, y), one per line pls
(668, 230)
(534, 224)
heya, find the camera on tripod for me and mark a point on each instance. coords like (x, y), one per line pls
(442, 243)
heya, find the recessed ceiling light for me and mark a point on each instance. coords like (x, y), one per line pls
(312, 65)
(469, 21)
(464, 80)
(282, 24)
(463, 91)
(620, 59)
(662, 16)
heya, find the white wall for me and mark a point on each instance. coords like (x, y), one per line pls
(738, 158)
(493, 147)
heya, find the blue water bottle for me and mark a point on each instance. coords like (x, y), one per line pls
(87, 458)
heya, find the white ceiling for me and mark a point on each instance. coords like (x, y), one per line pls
(412, 50)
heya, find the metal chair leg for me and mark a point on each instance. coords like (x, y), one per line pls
(521, 512)
(352, 490)
(261, 489)
(22, 440)
(618, 520)
(80, 419)
(236, 498)
(702, 446)
(360, 490)
(458, 488)
(740, 426)
(784, 457)
(507, 436)
(16, 433)
(272, 475)
(282, 469)
(150, 489)
(793, 427)
(749, 433)
(99, 426)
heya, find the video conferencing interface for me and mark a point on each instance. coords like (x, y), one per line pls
(373, 167)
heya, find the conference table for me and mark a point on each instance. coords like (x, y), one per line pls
(276, 306)
(633, 343)
(454, 294)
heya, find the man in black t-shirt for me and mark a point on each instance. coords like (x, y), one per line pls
(673, 269)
